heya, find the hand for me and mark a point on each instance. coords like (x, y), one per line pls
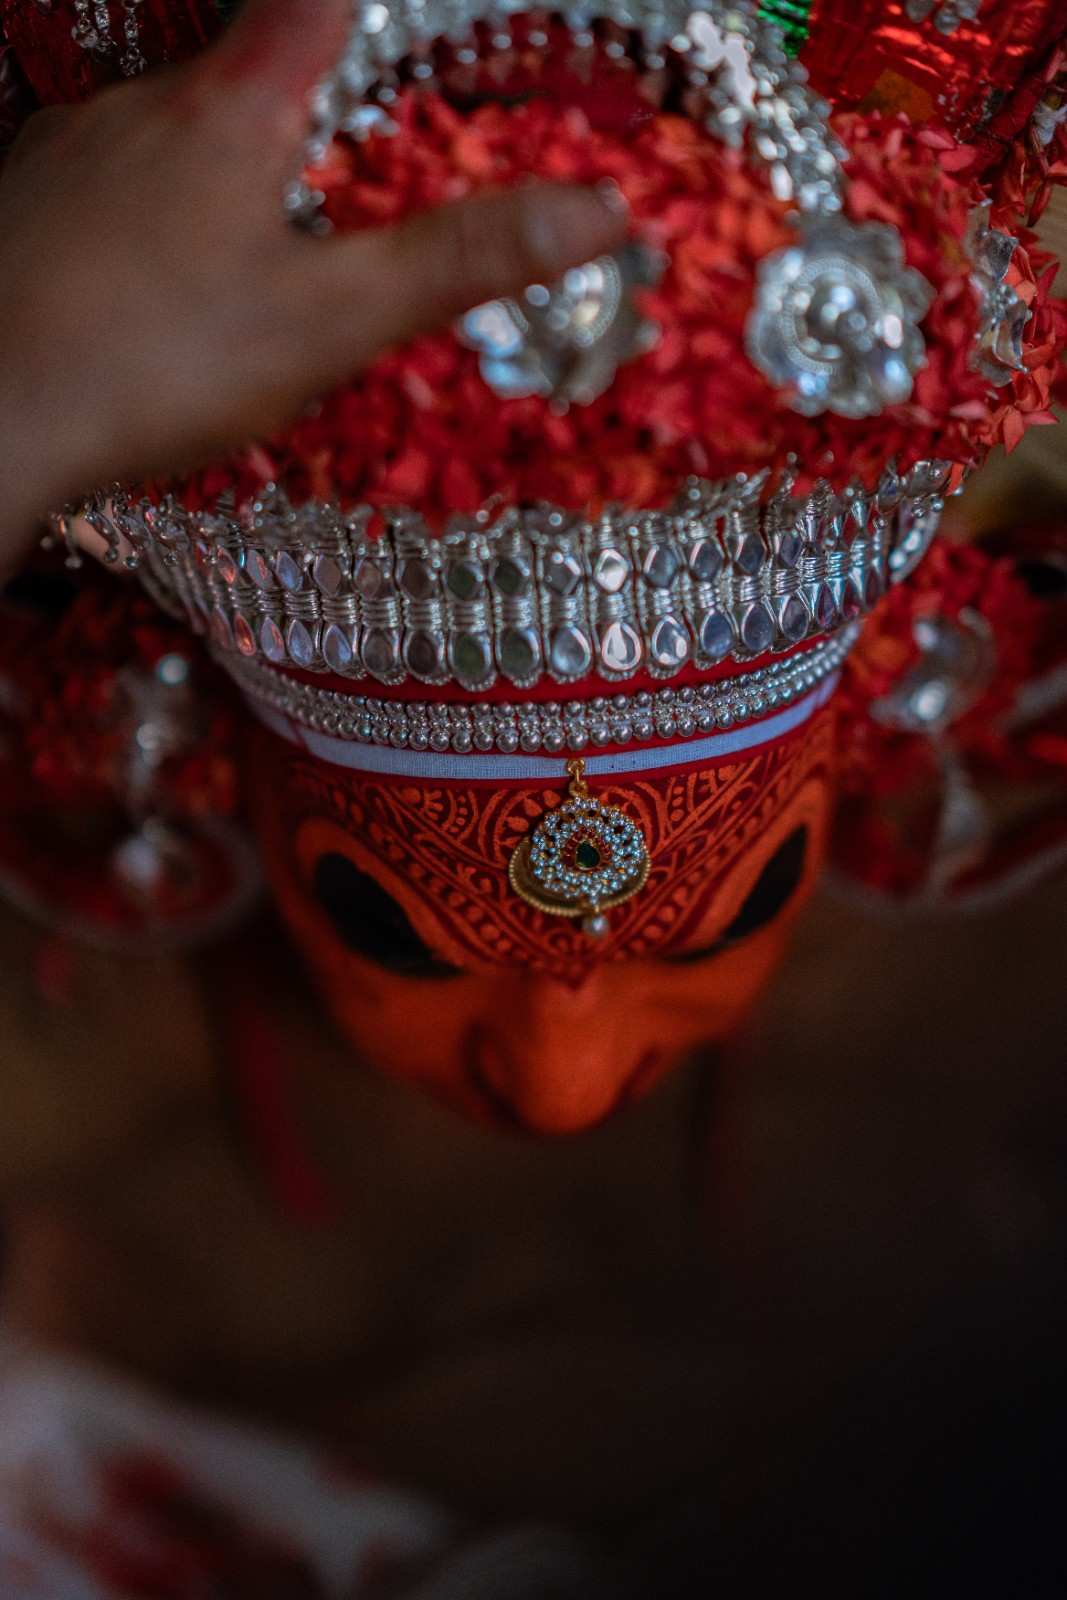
(160, 309)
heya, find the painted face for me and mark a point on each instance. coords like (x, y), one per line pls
(439, 974)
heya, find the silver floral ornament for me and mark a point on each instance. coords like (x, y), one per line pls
(998, 351)
(567, 341)
(837, 317)
(956, 663)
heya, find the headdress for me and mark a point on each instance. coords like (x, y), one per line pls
(496, 641)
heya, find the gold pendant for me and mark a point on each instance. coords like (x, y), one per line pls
(582, 859)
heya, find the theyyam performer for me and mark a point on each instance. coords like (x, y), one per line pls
(536, 669)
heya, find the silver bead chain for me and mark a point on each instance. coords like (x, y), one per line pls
(132, 61)
(92, 32)
(546, 727)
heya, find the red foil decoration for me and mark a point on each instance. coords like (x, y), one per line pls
(422, 428)
(872, 56)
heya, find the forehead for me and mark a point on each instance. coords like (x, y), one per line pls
(442, 850)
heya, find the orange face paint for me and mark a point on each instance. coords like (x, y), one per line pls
(439, 974)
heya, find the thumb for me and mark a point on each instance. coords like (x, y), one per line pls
(390, 284)
(277, 50)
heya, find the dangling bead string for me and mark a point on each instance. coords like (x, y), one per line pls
(108, 514)
(92, 27)
(92, 32)
(132, 61)
(103, 525)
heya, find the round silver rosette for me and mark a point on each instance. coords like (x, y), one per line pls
(837, 317)
(566, 341)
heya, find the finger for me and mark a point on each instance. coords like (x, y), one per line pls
(278, 49)
(394, 283)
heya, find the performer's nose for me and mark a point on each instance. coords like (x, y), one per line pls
(560, 1056)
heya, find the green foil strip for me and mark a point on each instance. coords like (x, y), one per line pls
(792, 17)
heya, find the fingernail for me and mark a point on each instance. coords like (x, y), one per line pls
(612, 196)
(569, 226)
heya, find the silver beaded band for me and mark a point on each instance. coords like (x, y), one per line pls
(538, 594)
(549, 728)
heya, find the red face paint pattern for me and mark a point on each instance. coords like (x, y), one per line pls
(539, 1025)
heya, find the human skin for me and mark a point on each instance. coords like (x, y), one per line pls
(139, 350)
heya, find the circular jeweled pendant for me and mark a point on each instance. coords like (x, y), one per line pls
(582, 859)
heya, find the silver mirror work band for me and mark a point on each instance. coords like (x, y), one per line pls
(540, 594)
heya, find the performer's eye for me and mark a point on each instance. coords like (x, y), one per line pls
(1045, 577)
(370, 923)
(768, 898)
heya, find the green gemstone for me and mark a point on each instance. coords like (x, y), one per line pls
(587, 856)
